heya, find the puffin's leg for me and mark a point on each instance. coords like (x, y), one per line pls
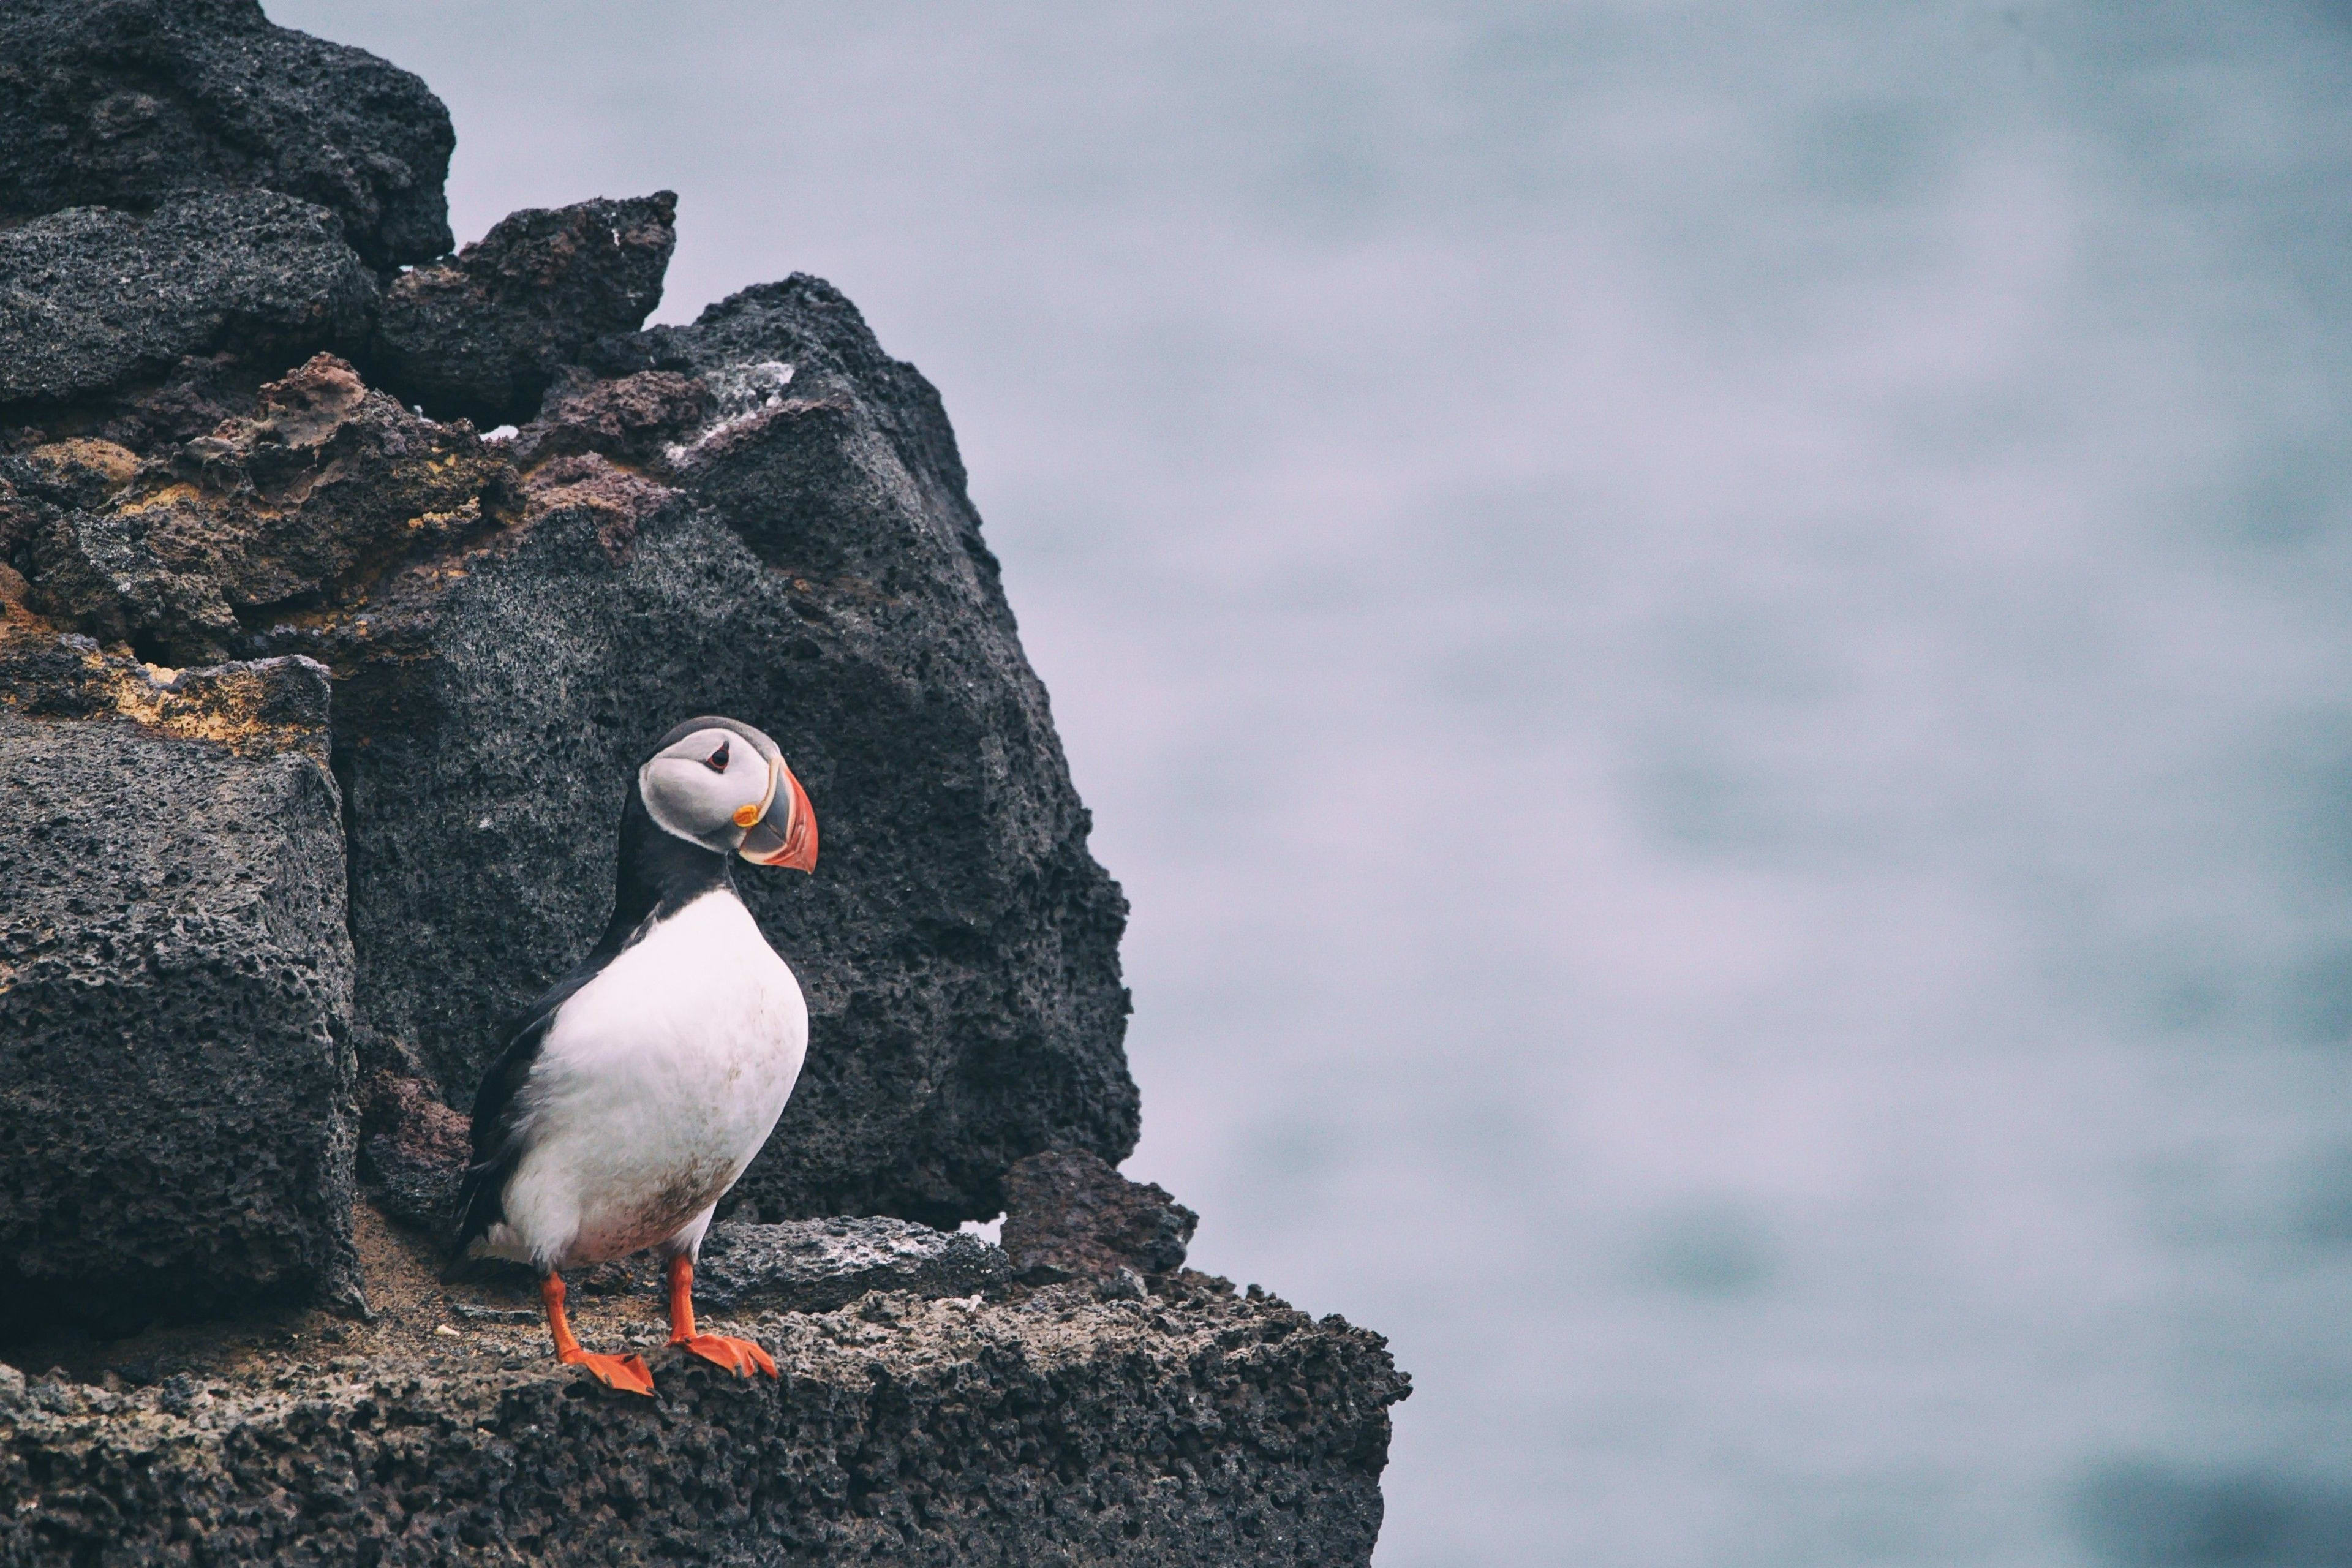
(738, 1356)
(626, 1373)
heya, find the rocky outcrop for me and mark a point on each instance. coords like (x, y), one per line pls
(124, 103)
(317, 711)
(817, 1265)
(1068, 1214)
(768, 519)
(1188, 1429)
(762, 513)
(175, 1066)
(482, 335)
(796, 548)
(93, 300)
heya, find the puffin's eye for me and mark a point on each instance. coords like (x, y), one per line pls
(717, 761)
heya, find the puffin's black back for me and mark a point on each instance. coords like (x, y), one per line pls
(658, 874)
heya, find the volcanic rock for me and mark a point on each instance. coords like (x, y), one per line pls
(1190, 1428)
(1066, 1213)
(92, 299)
(175, 990)
(124, 103)
(481, 336)
(817, 1265)
(633, 419)
(805, 559)
(413, 1152)
(295, 508)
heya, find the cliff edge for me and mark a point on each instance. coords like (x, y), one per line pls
(317, 702)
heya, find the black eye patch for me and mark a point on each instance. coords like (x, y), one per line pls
(717, 761)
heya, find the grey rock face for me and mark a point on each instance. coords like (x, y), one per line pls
(93, 299)
(123, 103)
(817, 1265)
(481, 335)
(806, 561)
(1067, 1213)
(1193, 1430)
(175, 1066)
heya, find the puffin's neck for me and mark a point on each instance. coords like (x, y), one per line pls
(659, 874)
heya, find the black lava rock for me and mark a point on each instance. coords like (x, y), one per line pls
(1193, 1429)
(1068, 1214)
(175, 1064)
(810, 563)
(414, 1152)
(92, 299)
(481, 335)
(123, 103)
(817, 1265)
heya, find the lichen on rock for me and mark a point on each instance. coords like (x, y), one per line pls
(291, 510)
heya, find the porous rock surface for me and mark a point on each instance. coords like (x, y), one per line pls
(123, 103)
(482, 335)
(92, 299)
(816, 1264)
(291, 510)
(413, 1151)
(1053, 1427)
(1068, 1214)
(175, 986)
(798, 552)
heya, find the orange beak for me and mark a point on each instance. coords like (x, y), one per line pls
(786, 834)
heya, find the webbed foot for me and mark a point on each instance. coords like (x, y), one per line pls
(741, 1357)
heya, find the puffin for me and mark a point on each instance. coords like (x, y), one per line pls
(634, 1093)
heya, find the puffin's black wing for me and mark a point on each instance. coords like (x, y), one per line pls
(497, 1114)
(659, 875)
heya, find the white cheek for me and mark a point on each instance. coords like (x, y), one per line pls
(680, 797)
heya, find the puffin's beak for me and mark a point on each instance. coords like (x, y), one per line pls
(786, 834)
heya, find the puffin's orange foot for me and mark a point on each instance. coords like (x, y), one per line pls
(738, 1356)
(626, 1373)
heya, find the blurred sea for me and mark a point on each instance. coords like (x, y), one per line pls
(1715, 642)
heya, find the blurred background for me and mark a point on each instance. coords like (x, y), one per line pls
(1711, 640)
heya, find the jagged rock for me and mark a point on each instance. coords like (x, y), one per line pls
(413, 1152)
(1192, 1429)
(125, 103)
(620, 499)
(293, 509)
(482, 335)
(817, 1265)
(195, 396)
(91, 300)
(808, 563)
(1067, 1213)
(632, 419)
(175, 1065)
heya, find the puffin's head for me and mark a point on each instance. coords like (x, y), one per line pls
(722, 784)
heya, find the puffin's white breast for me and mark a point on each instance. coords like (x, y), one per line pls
(657, 1082)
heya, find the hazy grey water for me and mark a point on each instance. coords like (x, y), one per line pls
(1713, 643)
